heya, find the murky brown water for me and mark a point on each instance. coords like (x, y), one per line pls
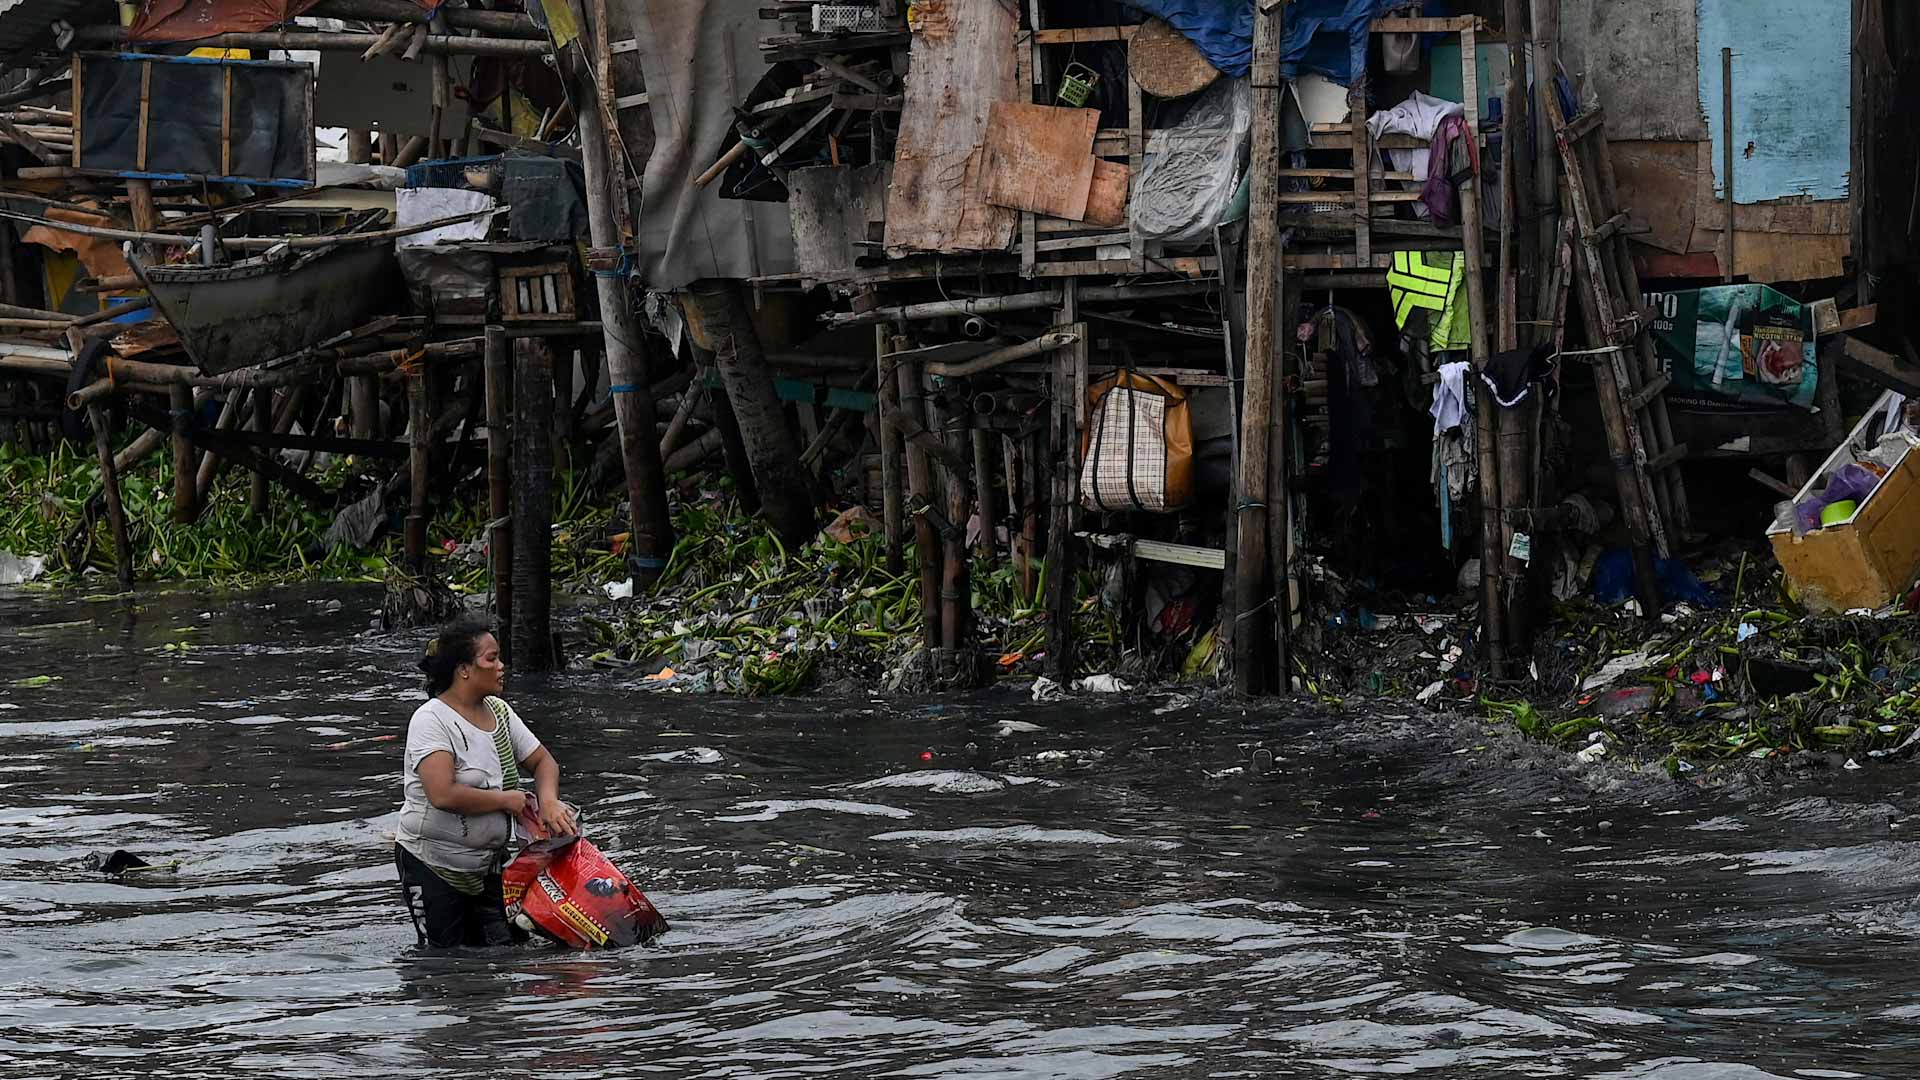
(1097, 898)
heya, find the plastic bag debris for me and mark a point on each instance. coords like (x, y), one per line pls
(1102, 684)
(358, 524)
(19, 569)
(1614, 669)
(1046, 690)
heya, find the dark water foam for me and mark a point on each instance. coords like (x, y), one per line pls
(1103, 897)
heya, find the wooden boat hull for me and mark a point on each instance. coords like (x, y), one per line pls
(249, 312)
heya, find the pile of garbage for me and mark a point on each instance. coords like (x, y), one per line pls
(1738, 671)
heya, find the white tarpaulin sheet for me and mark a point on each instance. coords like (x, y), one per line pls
(699, 58)
(411, 206)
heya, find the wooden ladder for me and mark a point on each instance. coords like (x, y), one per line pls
(1626, 372)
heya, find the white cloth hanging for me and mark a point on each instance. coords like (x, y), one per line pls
(1450, 397)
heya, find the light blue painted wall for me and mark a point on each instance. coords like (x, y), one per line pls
(1792, 95)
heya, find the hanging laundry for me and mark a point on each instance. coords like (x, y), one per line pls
(1449, 159)
(1452, 160)
(1511, 374)
(1419, 116)
(1342, 342)
(1449, 408)
(1430, 282)
(1351, 343)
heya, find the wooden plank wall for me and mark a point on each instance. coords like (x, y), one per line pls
(963, 61)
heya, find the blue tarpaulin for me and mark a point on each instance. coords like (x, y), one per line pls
(1329, 36)
(1221, 29)
(1613, 580)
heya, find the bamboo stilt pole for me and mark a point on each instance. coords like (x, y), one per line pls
(676, 427)
(564, 429)
(258, 495)
(1070, 364)
(185, 466)
(1517, 276)
(110, 484)
(1487, 426)
(1278, 494)
(363, 407)
(1546, 188)
(136, 451)
(890, 463)
(210, 462)
(956, 587)
(419, 469)
(983, 495)
(499, 392)
(533, 505)
(627, 366)
(920, 488)
(696, 451)
(1029, 516)
(146, 218)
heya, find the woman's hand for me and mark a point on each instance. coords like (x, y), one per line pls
(558, 818)
(512, 802)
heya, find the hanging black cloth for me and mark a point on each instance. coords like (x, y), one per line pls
(1511, 374)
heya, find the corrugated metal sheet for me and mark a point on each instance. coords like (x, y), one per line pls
(1792, 95)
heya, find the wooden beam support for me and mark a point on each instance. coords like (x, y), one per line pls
(1264, 266)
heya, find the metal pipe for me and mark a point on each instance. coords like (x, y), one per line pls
(1045, 343)
(327, 42)
(495, 23)
(990, 305)
(1005, 403)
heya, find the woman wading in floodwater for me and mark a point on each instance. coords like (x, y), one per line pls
(467, 752)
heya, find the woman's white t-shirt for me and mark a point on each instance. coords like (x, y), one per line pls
(469, 843)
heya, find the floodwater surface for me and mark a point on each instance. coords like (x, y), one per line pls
(908, 889)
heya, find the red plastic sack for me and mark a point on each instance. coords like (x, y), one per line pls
(568, 891)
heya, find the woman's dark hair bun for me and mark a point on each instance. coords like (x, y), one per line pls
(456, 643)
